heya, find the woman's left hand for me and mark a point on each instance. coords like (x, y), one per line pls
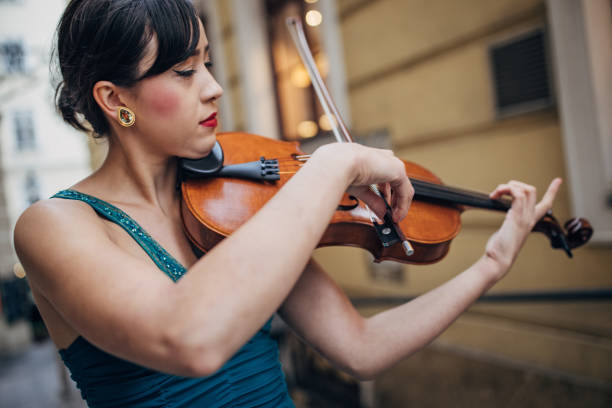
(504, 246)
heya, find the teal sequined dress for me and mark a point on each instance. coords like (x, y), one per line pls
(251, 378)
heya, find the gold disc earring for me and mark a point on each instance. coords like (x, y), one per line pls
(126, 116)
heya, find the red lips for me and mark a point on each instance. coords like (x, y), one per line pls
(210, 121)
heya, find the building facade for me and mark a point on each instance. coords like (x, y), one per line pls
(39, 153)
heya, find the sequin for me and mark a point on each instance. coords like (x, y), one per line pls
(158, 254)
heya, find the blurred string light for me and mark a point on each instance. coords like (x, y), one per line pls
(313, 18)
(307, 128)
(19, 271)
(322, 63)
(300, 77)
(325, 123)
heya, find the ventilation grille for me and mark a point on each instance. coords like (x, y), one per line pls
(521, 74)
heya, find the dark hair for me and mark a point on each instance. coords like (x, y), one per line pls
(106, 40)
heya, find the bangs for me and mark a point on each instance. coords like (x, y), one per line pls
(176, 26)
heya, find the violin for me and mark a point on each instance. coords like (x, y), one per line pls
(223, 190)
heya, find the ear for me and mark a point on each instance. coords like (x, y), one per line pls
(109, 98)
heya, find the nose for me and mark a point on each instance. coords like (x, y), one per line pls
(211, 89)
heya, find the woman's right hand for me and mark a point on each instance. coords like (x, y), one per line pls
(367, 166)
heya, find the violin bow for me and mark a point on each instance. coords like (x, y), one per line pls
(388, 231)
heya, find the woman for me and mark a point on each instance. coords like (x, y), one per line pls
(136, 72)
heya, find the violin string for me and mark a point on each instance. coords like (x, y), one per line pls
(421, 183)
(292, 164)
(439, 187)
(289, 169)
(426, 192)
(447, 189)
(302, 158)
(425, 188)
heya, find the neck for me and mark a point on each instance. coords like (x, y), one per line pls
(136, 176)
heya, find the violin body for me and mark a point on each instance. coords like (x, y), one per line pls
(219, 202)
(214, 207)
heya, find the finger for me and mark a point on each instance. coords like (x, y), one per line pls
(371, 199)
(517, 192)
(547, 200)
(500, 190)
(387, 192)
(528, 190)
(514, 188)
(404, 193)
(519, 199)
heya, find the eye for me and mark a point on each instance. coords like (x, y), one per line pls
(186, 73)
(208, 64)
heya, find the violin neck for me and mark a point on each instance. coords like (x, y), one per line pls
(426, 191)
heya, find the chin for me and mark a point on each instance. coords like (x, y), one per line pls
(201, 148)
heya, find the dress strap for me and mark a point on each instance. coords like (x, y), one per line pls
(158, 254)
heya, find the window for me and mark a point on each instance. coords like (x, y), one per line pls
(32, 189)
(24, 131)
(12, 56)
(521, 74)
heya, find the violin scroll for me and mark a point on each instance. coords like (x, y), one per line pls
(579, 231)
(575, 232)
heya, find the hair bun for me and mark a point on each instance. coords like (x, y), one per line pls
(66, 104)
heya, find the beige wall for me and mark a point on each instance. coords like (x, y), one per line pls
(420, 70)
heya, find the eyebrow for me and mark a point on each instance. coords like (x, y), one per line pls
(197, 51)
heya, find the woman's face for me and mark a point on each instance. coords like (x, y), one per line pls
(173, 109)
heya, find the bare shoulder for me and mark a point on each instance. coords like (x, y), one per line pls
(53, 228)
(53, 218)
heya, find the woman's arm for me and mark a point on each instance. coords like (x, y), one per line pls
(321, 314)
(125, 306)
